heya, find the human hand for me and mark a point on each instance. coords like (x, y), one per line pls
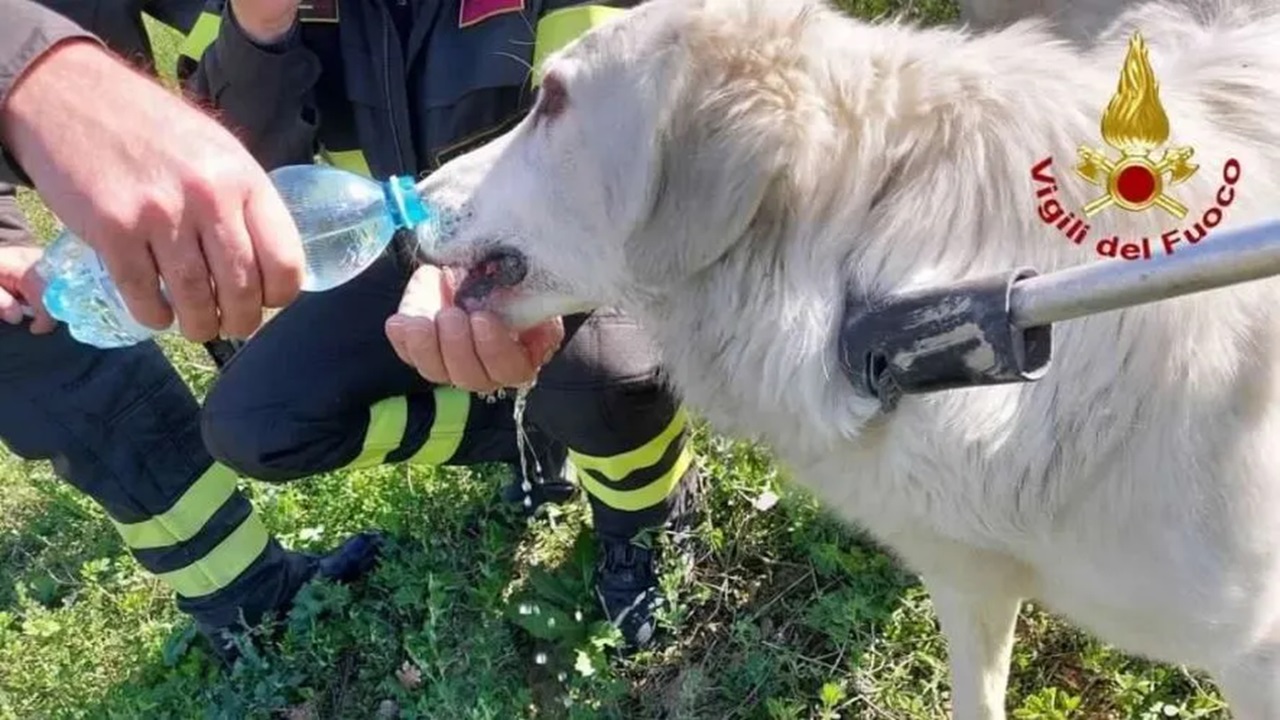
(265, 21)
(478, 353)
(158, 188)
(20, 283)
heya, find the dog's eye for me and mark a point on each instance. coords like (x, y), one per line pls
(552, 98)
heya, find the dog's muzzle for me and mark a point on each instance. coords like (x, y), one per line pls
(499, 268)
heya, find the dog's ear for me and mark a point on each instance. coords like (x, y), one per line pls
(717, 164)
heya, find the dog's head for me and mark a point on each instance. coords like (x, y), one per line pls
(652, 148)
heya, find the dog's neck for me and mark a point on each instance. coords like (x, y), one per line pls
(751, 339)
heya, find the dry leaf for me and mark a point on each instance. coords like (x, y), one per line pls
(766, 500)
(410, 676)
(300, 712)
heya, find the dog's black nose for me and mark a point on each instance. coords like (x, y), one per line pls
(503, 267)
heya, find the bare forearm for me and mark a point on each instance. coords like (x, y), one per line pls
(153, 185)
(47, 104)
(261, 89)
(265, 23)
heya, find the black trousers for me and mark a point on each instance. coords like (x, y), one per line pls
(319, 388)
(122, 427)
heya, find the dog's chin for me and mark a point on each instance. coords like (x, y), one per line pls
(521, 312)
(520, 306)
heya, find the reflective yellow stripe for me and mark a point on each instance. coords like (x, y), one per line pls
(223, 564)
(558, 27)
(452, 408)
(640, 498)
(187, 516)
(617, 467)
(352, 160)
(202, 35)
(387, 421)
(389, 418)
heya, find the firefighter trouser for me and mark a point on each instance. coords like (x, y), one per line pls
(319, 388)
(123, 427)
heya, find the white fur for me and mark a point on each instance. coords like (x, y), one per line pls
(1080, 20)
(724, 169)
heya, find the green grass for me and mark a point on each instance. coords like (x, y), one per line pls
(785, 613)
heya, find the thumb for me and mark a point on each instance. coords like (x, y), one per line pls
(425, 295)
(32, 289)
(10, 308)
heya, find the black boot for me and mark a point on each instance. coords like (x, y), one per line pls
(627, 589)
(626, 573)
(350, 561)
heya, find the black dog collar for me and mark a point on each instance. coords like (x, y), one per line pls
(935, 339)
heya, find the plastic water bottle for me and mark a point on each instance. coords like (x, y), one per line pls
(345, 221)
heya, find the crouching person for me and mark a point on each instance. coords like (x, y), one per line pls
(394, 88)
(122, 427)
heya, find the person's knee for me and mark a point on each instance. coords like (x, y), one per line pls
(243, 448)
(112, 421)
(257, 441)
(604, 393)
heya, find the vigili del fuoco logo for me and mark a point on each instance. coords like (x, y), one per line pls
(1134, 125)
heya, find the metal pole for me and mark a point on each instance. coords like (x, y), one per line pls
(1222, 259)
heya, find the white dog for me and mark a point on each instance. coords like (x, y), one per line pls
(726, 169)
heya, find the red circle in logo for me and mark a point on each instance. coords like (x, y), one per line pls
(1136, 184)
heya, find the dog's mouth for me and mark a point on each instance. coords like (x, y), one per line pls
(500, 269)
